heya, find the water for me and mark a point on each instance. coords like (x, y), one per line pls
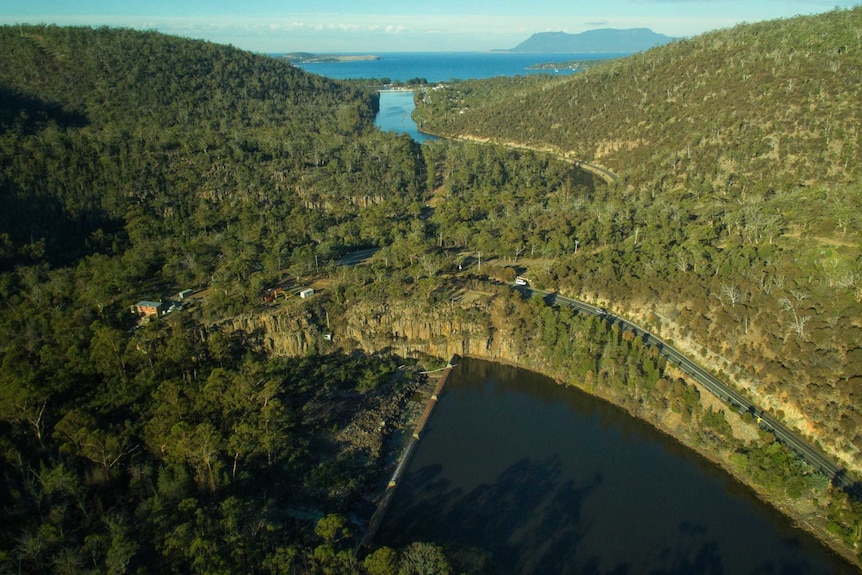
(550, 480)
(396, 107)
(444, 66)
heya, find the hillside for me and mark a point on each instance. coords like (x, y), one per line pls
(122, 121)
(238, 431)
(735, 226)
(602, 40)
(133, 166)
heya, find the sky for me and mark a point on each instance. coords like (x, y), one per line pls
(373, 26)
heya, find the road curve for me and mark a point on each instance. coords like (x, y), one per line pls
(808, 452)
(605, 174)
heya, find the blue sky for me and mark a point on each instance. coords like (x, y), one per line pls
(385, 26)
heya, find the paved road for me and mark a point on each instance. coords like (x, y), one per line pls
(607, 175)
(807, 451)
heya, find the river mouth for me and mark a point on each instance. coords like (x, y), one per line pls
(396, 107)
(547, 479)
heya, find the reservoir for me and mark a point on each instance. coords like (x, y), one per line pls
(396, 107)
(547, 479)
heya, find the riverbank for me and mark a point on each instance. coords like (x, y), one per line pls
(488, 328)
(605, 174)
(514, 453)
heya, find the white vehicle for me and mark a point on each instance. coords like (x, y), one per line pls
(519, 281)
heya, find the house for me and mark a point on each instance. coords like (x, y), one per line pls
(149, 308)
(307, 292)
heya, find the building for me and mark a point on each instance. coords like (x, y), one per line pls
(307, 292)
(184, 294)
(149, 308)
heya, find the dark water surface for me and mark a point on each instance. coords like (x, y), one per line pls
(550, 480)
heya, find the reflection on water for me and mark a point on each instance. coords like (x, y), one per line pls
(394, 115)
(549, 480)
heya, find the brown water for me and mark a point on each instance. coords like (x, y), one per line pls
(547, 479)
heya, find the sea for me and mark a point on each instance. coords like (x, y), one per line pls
(435, 67)
(396, 107)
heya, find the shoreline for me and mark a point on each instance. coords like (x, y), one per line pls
(797, 517)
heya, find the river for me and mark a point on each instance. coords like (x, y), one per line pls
(396, 107)
(547, 479)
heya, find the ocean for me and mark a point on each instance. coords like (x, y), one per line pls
(396, 108)
(444, 66)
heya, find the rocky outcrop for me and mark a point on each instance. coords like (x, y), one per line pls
(401, 327)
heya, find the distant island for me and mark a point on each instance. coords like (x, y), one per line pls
(602, 40)
(307, 58)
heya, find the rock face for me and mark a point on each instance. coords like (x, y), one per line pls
(280, 331)
(401, 328)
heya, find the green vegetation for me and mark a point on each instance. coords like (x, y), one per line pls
(135, 165)
(736, 222)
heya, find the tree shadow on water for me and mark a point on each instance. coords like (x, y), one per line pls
(529, 519)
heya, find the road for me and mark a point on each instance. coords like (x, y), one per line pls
(724, 392)
(605, 174)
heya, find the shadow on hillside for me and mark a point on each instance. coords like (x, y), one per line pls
(848, 485)
(27, 115)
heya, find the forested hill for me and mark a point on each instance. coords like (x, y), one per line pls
(134, 165)
(737, 220)
(105, 74)
(759, 105)
(93, 123)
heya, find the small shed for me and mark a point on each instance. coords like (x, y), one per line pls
(307, 292)
(184, 294)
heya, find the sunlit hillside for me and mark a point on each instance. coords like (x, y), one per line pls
(737, 219)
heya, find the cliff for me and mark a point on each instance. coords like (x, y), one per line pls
(465, 327)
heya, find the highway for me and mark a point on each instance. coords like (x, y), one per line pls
(724, 392)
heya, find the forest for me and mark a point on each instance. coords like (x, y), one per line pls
(135, 166)
(735, 224)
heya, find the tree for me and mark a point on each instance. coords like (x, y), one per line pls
(424, 559)
(332, 528)
(383, 561)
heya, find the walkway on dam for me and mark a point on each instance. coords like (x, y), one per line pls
(406, 455)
